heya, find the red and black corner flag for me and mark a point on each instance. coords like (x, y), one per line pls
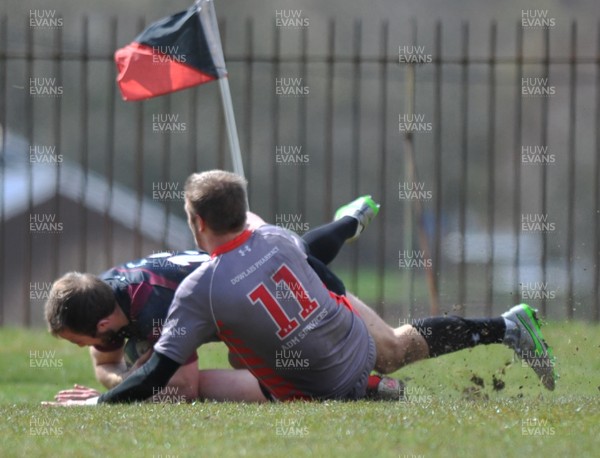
(173, 53)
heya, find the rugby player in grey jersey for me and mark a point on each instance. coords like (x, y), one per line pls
(233, 298)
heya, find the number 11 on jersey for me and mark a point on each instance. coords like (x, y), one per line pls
(284, 323)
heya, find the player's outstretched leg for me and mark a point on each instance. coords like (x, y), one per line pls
(363, 210)
(326, 241)
(431, 337)
(524, 336)
(518, 328)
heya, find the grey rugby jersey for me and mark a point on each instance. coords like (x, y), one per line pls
(259, 296)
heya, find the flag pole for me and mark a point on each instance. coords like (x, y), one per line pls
(208, 18)
(234, 143)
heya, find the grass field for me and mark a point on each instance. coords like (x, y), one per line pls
(450, 413)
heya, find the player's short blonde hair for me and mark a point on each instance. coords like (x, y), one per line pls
(77, 302)
(219, 198)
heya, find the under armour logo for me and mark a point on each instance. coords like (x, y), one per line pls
(244, 250)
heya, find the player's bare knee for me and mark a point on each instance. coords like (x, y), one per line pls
(389, 352)
(413, 343)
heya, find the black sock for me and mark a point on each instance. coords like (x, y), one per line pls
(325, 242)
(452, 333)
(331, 280)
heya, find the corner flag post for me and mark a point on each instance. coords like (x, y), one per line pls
(208, 20)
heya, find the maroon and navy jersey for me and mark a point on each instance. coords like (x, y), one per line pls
(144, 290)
(260, 296)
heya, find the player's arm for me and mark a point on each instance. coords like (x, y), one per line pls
(109, 366)
(154, 375)
(145, 382)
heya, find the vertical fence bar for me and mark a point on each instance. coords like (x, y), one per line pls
(596, 300)
(29, 131)
(491, 135)
(437, 159)
(139, 167)
(544, 177)
(355, 167)
(192, 134)
(166, 170)
(221, 133)
(3, 134)
(111, 147)
(409, 235)
(248, 102)
(329, 108)
(84, 141)
(275, 108)
(303, 121)
(464, 172)
(383, 131)
(571, 179)
(544, 181)
(517, 163)
(57, 124)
